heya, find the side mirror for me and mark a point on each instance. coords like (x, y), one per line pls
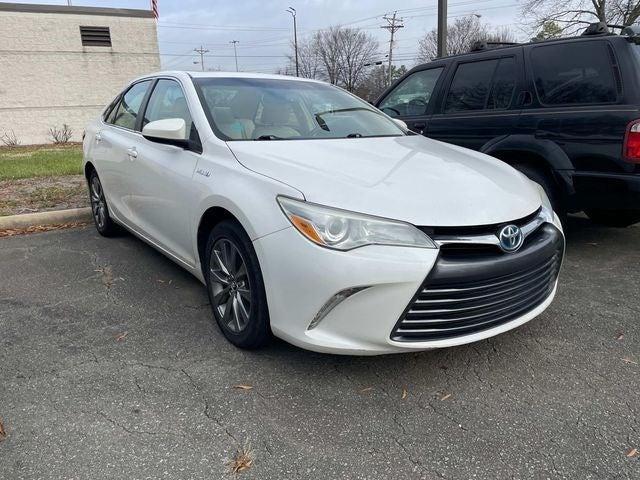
(170, 131)
(401, 124)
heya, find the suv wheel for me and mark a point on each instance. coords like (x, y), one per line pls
(235, 286)
(99, 209)
(614, 218)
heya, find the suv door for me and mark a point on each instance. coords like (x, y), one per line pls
(479, 103)
(114, 140)
(410, 100)
(162, 193)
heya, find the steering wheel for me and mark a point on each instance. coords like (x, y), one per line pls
(418, 102)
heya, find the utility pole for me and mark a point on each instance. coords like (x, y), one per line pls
(442, 28)
(235, 52)
(292, 11)
(394, 24)
(201, 51)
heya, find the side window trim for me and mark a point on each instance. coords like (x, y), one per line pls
(197, 144)
(119, 102)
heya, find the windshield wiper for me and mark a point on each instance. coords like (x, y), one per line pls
(269, 137)
(354, 135)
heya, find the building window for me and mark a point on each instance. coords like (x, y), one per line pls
(95, 36)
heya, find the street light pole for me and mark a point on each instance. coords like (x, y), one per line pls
(442, 28)
(292, 11)
(235, 52)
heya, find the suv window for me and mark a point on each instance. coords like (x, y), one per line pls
(504, 84)
(470, 87)
(412, 96)
(574, 73)
(127, 111)
(167, 101)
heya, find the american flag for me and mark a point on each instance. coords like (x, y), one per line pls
(154, 8)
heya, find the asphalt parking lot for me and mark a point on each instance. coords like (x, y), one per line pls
(110, 367)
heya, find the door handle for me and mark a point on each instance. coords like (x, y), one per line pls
(98, 137)
(132, 152)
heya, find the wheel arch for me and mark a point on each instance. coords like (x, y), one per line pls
(543, 155)
(89, 168)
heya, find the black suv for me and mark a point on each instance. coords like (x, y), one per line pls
(565, 112)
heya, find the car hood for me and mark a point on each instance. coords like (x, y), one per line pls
(409, 178)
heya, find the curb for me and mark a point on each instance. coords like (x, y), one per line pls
(46, 218)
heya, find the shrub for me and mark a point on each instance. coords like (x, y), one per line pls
(61, 135)
(10, 139)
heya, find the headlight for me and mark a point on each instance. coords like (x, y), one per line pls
(547, 208)
(343, 230)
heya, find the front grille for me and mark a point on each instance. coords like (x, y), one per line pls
(465, 294)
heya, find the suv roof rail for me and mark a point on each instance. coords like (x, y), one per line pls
(481, 46)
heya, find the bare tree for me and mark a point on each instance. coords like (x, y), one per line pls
(572, 16)
(357, 49)
(461, 35)
(327, 44)
(61, 135)
(309, 63)
(376, 81)
(10, 139)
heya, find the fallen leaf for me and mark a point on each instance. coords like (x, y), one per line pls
(242, 460)
(122, 336)
(367, 389)
(628, 360)
(442, 399)
(3, 434)
(632, 452)
(161, 281)
(404, 393)
(620, 336)
(243, 387)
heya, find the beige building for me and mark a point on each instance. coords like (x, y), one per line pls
(62, 64)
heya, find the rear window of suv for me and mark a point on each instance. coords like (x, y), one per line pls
(575, 73)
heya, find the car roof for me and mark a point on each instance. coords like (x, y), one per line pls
(199, 74)
(506, 48)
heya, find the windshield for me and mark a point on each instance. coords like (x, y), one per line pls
(268, 109)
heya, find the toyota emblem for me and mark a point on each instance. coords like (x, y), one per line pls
(511, 238)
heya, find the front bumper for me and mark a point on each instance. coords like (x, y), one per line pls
(300, 277)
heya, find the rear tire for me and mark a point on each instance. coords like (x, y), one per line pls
(99, 208)
(235, 286)
(614, 218)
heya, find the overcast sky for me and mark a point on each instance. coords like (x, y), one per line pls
(263, 28)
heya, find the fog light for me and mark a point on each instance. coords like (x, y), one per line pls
(332, 303)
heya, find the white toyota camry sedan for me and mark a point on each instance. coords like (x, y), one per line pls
(312, 216)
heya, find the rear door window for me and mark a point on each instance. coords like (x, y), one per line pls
(504, 84)
(575, 73)
(127, 111)
(412, 96)
(471, 86)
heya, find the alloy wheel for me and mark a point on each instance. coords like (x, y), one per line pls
(98, 203)
(230, 285)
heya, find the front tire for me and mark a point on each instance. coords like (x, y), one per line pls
(235, 286)
(614, 218)
(99, 208)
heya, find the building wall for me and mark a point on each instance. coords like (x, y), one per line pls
(48, 78)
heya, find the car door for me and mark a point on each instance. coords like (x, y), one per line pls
(480, 101)
(411, 99)
(162, 193)
(113, 140)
